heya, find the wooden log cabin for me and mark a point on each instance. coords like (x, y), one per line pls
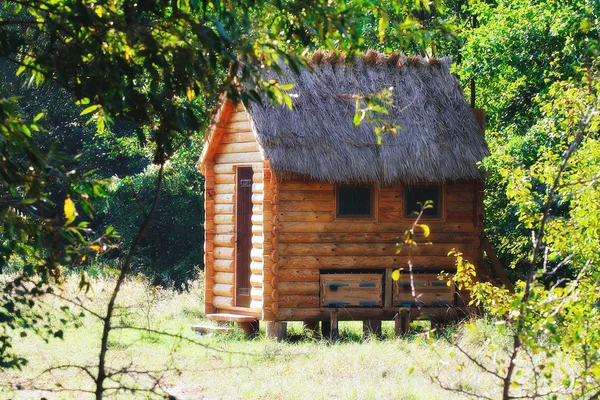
(305, 210)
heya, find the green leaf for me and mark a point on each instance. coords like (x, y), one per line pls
(286, 87)
(38, 117)
(357, 118)
(89, 109)
(288, 101)
(21, 70)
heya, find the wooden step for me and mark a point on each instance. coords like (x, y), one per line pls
(247, 323)
(203, 329)
(232, 318)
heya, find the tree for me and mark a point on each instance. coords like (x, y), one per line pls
(145, 63)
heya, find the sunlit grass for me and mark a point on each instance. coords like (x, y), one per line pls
(230, 366)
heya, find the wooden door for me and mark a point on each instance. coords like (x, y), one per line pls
(243, 241)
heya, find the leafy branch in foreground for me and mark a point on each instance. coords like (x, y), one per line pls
(552, 322)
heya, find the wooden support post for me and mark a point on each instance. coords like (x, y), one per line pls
(402, 322)
(249, 328)
(325, 329)
(333, 330)
(276, 330)
(371, 327)
(310, 328)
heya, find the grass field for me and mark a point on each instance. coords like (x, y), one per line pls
(229, 366)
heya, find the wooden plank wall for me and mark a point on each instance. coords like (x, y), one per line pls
(311, 238)
(238, 147)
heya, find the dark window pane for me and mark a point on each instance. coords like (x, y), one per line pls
(354, 201)
(415, 195)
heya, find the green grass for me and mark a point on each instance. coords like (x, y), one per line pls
(229, 366)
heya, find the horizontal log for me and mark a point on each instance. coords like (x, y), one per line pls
(209, 225)
(464, 197)
(238, 126)
(223, 209)
(223, 253)
(256, 305)
(257, 187)
(303, 288)
(375, 237)
(257, 198)
(335, 262)
(251, 157)
(239, 116)
(367, 226)
(390, 216)
(224, 240)
(459, 216)
(224, 178)
(256, 280)
(220, 289)
(257, 241)
(238, 137)
(257, 219)
(256, 267)
(298, 275)
(257, 230)
(256, 294)
(302, 195)
(224, 199)
(366, 249)
(298, 301)
(309, 205)
(389, 206)
(222, 302)
(256, 255)
(460, 187)
(239, 107)
(223, 219)
(257, 209)
(390, 195)
(224, 229)
(238, 147)
(298, 184)
(352, 314)
(224, 277)
(229, 168)
(225, 188)
(306, 216)
(452, 206)
(223, 265)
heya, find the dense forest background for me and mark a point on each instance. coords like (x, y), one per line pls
(510, 52)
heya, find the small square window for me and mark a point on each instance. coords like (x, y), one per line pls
(416, 196)
(354, 202)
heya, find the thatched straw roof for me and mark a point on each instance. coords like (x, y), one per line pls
(438, 138)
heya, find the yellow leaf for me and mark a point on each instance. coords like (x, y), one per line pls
(190, 93)
(70, 210)
(396, 274)
(426, 230)
(97, 248)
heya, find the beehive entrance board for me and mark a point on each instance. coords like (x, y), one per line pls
(351, 290)
(429, 290)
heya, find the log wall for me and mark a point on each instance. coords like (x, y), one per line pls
(311, 238)
(237, 147)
